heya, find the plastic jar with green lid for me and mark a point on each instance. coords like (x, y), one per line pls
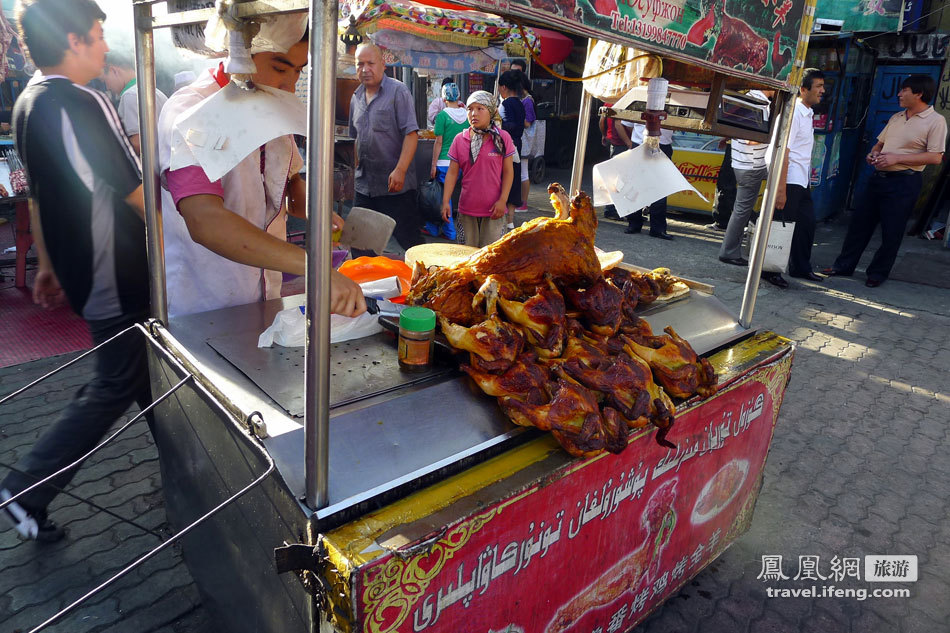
(416, 331)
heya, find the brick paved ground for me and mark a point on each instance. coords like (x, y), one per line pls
(856, 468)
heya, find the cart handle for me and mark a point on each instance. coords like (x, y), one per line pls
(164, 545)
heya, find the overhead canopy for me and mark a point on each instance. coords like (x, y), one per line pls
(760, 42)
(474, 33)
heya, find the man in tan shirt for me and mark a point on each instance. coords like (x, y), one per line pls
(910, 141)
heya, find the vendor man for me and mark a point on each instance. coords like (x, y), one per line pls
(226, 244)
(383, 122)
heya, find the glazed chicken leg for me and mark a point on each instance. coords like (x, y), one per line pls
(676, 365)
(494, 344)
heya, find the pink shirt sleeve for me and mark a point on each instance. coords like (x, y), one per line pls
(458, 148)
(191, 181)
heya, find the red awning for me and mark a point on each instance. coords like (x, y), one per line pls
(444, 5)
(555, 47)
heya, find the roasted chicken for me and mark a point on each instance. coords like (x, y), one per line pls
(675, 364)
(493, 343)
(562, 247)
(601, 304)
(558, 341)
(524, 380)
(642, 289)
(572, 416)
(622, 384)
(542, 317)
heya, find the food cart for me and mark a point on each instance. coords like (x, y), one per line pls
(324, 489)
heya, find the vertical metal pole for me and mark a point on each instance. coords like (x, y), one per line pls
(580, 147)
(148, 120)
(322, 90)
(761, 238)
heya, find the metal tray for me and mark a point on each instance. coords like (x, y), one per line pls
(358, 369)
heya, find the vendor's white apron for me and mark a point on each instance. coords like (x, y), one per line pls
(199, 279)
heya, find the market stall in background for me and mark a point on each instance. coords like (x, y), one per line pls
(582, 419)
(422, 44)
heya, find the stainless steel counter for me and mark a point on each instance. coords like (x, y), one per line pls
(387, 428)
(404, 427)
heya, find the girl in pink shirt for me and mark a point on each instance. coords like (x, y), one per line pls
(483, 153)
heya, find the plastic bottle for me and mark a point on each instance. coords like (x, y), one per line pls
(416, 331)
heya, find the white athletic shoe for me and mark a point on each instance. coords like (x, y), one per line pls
(27, 526)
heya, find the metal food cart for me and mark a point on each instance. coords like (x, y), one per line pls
(323, 489)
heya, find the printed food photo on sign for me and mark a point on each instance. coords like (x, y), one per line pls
(719, 491)
(639, 568)
(755, 37)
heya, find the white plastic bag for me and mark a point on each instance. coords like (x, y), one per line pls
(289, 328)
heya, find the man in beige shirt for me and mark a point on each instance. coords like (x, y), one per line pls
(911, 140)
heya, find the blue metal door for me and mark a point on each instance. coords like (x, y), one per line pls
(883, 105)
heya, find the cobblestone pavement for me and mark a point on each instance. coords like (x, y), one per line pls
(856, 468)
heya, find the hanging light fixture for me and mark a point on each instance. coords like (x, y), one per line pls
(351, 37)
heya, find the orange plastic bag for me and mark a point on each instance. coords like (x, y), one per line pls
(363, 269)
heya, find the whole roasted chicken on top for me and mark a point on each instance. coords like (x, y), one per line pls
(556, 339)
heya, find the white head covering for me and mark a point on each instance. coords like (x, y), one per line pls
(276, 34)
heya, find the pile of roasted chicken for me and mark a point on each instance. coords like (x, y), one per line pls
(557, 340)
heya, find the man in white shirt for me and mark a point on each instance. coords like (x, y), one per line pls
(119, 77)
(793, 198)
(749, 165)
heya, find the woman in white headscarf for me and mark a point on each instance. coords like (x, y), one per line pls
(225, 241)
(449, 123)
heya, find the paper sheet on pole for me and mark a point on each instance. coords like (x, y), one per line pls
(223, 129)
(637, 178)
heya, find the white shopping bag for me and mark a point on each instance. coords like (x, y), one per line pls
(779, 247)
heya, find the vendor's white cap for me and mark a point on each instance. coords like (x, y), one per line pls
(277, 34)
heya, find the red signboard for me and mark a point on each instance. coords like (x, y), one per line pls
(592, 548)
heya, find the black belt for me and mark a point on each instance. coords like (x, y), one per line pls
(891, 174)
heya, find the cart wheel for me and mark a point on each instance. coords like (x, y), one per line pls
(536, 169)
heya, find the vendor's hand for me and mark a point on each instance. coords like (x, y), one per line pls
(447, 211)
(396, 180)
(336, 222)
(780, 199)
(883, 161)
(870, 158)
(346, 297)
(47, 291)
(499, 209)
(3, 192)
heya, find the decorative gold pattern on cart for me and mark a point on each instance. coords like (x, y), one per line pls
(775, 377)
(394, 587)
